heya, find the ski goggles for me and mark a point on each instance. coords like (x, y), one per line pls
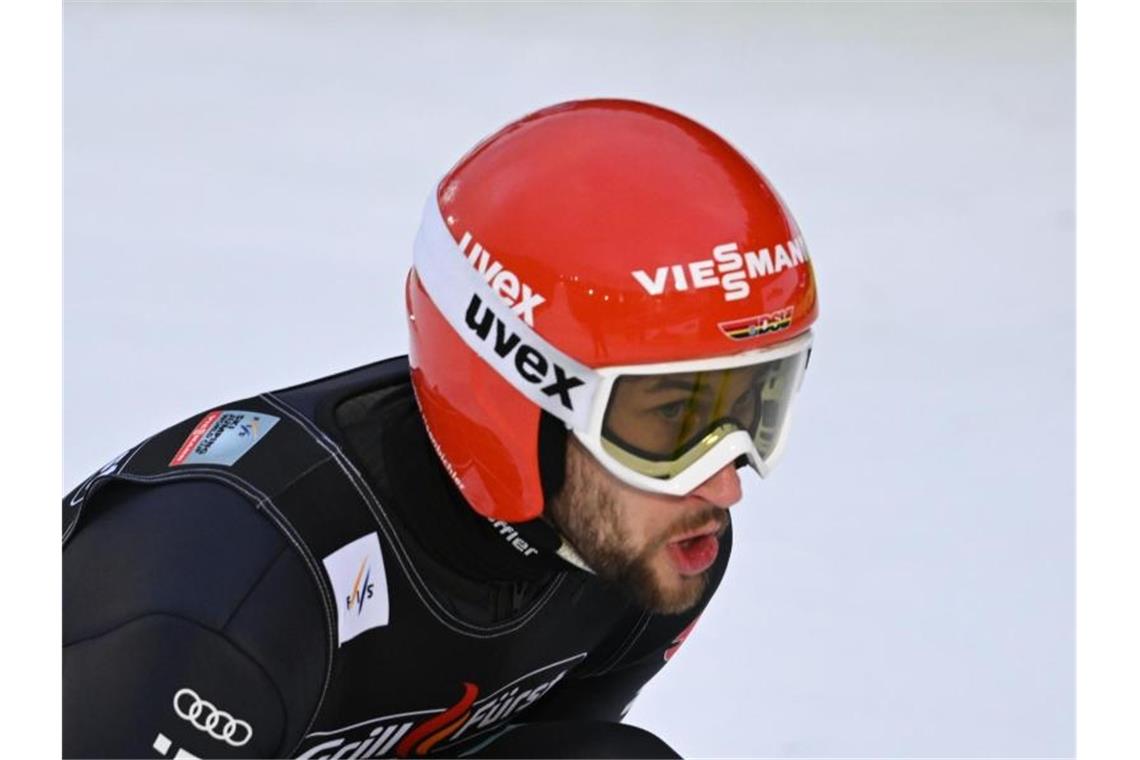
(670, 427)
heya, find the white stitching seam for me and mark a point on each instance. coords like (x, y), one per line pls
(261, 500)
(99, 482)
(631, 639)
(416, 581)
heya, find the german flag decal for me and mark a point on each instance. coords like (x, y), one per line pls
(761, 324)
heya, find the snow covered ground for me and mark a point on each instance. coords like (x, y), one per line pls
(243, 182)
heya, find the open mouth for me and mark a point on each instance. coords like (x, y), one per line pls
(713, 529)
(694, 552)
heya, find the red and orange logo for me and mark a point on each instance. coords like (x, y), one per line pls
(761, 324)
(677, 642)
(435, 729)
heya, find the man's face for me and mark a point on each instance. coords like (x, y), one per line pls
(657, 547)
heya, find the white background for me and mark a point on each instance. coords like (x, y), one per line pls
(242, 184)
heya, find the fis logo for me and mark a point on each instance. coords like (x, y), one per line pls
(360, 590)
(251, 428)
(356, 574)
(761, 324)
(728, 268)
(529, 363)
(506, 284)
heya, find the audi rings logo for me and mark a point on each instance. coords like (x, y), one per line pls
(206, 717)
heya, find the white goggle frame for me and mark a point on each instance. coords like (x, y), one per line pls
(726, 451)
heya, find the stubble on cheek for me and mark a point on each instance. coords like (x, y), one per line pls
(589, 515)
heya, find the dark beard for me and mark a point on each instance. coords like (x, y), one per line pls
(587, 514)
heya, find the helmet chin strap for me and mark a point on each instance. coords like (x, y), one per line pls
(552, 439)
(567, 552)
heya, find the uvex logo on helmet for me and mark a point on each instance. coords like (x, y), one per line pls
(729, 268)
(506, 284)
(529, 363)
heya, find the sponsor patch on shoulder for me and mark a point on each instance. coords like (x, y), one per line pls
(761, 324)
(223, 436)
(356, 571)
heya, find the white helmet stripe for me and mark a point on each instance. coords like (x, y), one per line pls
(489, 325)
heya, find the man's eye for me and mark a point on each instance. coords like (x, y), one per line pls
(671, 411)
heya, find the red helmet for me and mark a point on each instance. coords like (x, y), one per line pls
(624, 269)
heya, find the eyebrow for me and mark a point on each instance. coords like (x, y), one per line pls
(675, 383)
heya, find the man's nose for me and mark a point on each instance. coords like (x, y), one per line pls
(722, 489)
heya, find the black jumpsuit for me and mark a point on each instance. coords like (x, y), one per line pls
(295, 575)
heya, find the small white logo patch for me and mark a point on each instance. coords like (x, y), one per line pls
(356, 571)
